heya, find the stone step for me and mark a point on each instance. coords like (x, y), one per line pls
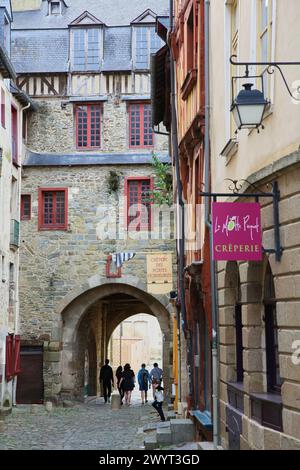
(171, 415)
(150, 443)
(183, 430)
(170, 407)
(164, 436)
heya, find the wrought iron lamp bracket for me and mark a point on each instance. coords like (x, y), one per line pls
(234, 188)
(270, 69)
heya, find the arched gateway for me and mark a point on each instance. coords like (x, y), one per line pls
(89, 315)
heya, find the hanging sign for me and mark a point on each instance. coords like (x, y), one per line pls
(237, 233)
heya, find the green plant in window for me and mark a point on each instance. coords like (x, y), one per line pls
(162, 192)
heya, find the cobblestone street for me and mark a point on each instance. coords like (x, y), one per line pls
(85, 427)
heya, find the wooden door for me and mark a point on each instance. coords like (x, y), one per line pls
(30, 385)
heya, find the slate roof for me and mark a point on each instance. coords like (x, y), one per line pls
(40, 51)
(33, 159)
(110, 12)
(117, 49)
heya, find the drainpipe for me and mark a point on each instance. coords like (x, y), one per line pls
(181, 234)
(215, 361)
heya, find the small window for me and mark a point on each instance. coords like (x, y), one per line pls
(55, 8)
(141, 133)
(25, 207)
(138, 204)
(53, 207)
(147, 41)
(88, 126)
(3, 269)
(3, 108)
(14, 135)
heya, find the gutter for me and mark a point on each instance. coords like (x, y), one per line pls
(207, 182)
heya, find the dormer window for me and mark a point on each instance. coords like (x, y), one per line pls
(55, 8)
(146, 42)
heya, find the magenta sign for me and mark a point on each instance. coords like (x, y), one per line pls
(237, 233)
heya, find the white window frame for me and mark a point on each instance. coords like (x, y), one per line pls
(72, 50)
(149, 27)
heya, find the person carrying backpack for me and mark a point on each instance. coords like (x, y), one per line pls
(143, 380)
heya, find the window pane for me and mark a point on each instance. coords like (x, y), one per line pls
(135, 125)
(93, 60)
(79, 49)
(148, 133)
(48, 207)
(155, 41)
(142, 48)
(25, 204)
(82, 124)
(60, 207)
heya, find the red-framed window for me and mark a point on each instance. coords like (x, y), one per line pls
(140, 130)
(109, 274)
(3, 108)
(25, 207)
(88, 126)
(53, 209)
(138, 203)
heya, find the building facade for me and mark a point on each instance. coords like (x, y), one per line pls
(12, 117)
(258, 301)
(186, 52)
(87, 179)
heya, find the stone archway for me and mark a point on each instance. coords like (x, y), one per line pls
(94, 310)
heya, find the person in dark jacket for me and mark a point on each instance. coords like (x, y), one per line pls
(127, 383)
(119, 373)
(143, 380)
(107, 379)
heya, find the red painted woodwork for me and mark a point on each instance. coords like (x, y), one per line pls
(53, 209)
(137, 194)
(17, 360)
(140, 130)
(88, 126)
(30, 385)
(109, 274)
(9, 366)
(25, 207)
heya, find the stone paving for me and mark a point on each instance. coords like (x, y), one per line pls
(89, 426)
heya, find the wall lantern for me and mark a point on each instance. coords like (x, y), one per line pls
(249, 106)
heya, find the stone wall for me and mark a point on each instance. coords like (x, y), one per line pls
(51, 129)
(54, 262)
(287, 284)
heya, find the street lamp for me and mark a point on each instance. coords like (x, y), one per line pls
(249, 107)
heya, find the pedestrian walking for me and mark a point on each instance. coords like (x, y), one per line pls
(107, 379)
(144, 381)
(157, 375)
(127, 383)
(158, 399)
(119, 373)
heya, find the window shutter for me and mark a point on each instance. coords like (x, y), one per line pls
(17, 359)
(9, 358)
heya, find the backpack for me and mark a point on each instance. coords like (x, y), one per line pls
(144, 377)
